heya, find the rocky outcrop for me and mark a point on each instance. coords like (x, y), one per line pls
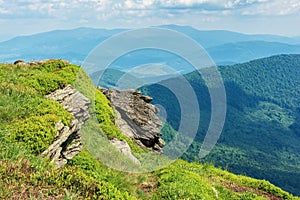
(136, 117)
(34, 63)
(19, 62)
(67, 143)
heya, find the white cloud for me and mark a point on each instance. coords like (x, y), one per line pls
(170, 3)
(274, 8)
(130, 13)
(3, 11)
(115, 8)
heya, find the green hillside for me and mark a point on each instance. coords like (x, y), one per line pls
(261, 135)
(27, 121)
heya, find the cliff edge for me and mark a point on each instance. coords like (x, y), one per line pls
(136, 117)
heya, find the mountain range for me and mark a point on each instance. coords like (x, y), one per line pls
(225, 47)
(261, 136)
(260, 139)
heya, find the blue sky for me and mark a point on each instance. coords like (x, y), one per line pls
(24, 17)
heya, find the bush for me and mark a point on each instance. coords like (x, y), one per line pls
(178, 183)
(36, 133)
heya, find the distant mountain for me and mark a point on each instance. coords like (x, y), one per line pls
(239, 52)
(225, 47)
(210, 38)
(261, 136)
(73, 45)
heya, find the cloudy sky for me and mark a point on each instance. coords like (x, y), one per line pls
(23, 17)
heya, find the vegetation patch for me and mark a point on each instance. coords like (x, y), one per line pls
(27, 127)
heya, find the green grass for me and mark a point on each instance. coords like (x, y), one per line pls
(28, 127)
(27, 121)
(183, 180)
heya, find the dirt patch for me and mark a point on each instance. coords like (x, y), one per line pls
(241, 189)
(148, 186)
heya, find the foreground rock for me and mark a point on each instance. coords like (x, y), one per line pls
(67, 143)
(137, 117)
(125, 149)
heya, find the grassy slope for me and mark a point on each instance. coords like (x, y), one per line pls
(27, 122)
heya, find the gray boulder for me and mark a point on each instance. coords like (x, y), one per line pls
(125, 149)
(67, 142)
(136, 117)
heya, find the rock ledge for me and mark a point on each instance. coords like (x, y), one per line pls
(67, 143)
(136, 117)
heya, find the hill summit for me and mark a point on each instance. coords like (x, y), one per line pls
(34, 109)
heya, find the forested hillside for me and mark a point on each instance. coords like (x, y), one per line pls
(261, 134)
(27, 128)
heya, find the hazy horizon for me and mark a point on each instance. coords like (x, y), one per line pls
(104, 28)
(29, 17)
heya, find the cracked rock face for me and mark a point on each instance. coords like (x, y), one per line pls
(137, 117)
(67, 143)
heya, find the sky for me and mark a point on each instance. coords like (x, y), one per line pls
(26, 17)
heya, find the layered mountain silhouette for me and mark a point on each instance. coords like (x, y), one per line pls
(225, 47)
